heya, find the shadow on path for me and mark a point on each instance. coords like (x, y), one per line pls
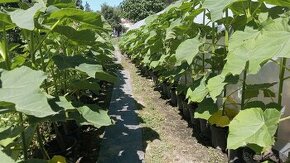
(122, 142)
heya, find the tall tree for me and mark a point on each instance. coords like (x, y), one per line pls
(79, 4)
(136, 10)
(87, 7)
(112, 15)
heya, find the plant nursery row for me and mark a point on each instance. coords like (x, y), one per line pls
(225, 64)
(56, 70)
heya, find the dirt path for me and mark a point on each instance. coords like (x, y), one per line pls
(166, 136)
(122, 142)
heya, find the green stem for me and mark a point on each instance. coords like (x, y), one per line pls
(6, 50)
(227, 31)
(40, 141)
(284, 119)
(244, 86)
(44, 38)
(281, 80)
(213, 38)
(203, 54)
(24, 145)
(32, 48)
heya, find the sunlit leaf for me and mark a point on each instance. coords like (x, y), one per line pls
(24, 91)
(254, 126)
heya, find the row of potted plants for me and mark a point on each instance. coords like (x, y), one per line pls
(56, 62)
(206, 52)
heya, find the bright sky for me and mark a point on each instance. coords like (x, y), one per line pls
(96, 4)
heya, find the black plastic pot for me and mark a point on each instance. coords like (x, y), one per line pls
(168, 91)
(180, 99)
(191, 115)
(53, 147)
(235, 156)
(185, 110)
(163, 89)
(173, 96)
(204, 129)
(219, 137)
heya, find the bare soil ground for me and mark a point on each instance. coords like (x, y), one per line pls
(169, 139)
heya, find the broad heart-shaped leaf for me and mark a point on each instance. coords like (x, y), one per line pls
(254, 46)
(21, 87)
(82, 37)
(25, 18)
(95, 116)
(253, 90)
(5, 158)
(187, 50)
(91, 18)
(64, 62)
(86, 85)
(206, 109)
(198, 91)
(283, 3)
(215, 86)
(9, 1)
(5, 21)
(219, 119)
(9, 134)
(258, 46)
(62, 3)
(96, 71)
(216, 8)
(253, 126)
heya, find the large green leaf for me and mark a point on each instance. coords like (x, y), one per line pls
(187, 50)
(215, 86)
(5, 158)
(86, 85)
(198, 91)
(5, 21)
(258, 46)
(96, 71)
(216, 8)
(81, 37)
(95, 116)
(255, 46)
(9, 1)
(284, 3)
(254, 126)
(62, 3)
(9, 134)
(64, 62)
(25, 18)
(21, 87)
(90, 18)
(206, 109)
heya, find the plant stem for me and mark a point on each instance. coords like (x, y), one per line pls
(213, 38)
(40, 141)
(281, 80)
(203, 54)
(44, 38)
(6, 50)
(227, 31)
(284, 119)
(244, 86)
(24, 145)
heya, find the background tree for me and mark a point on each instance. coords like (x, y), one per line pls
(79, 4)
(112, 15)
(136, 10)
(87, 7)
